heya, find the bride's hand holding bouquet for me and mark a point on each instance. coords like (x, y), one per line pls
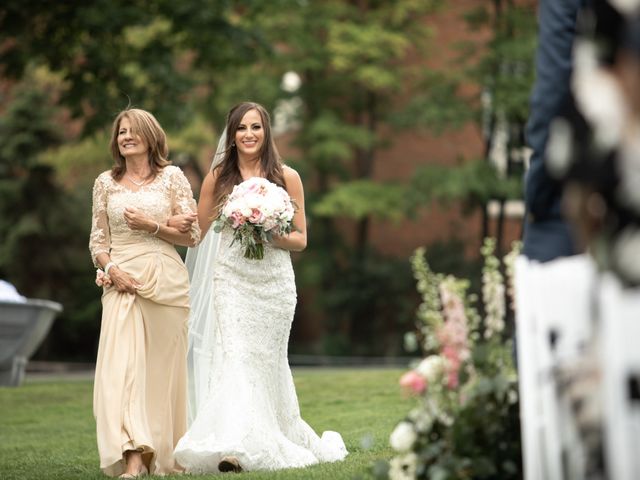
(256, 210)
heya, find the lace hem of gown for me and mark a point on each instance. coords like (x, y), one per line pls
(203, 456)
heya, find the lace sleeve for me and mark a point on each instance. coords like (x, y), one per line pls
(182, 201)
(100, 238)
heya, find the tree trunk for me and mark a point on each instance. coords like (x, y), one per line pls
(364, 169)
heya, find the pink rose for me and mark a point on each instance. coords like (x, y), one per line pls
(413, 383)
(237, 218)
(256, 216)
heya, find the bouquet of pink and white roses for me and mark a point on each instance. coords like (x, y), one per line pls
(256, 209)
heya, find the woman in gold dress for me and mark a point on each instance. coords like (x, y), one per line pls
(140, 381)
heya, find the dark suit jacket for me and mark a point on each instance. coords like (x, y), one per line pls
(546, 234)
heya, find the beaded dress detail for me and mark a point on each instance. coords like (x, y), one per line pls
(251, 409)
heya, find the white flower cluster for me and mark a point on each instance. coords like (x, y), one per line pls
(403, 467)
(403, 437)
(431, 368)
(629, 7)
(625, 253)
(493, 291)
(494, 302)
(606, 111)
(629, 167)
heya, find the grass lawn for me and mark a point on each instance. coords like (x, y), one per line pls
(47, 429)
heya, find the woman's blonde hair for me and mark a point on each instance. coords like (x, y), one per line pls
(147, 127)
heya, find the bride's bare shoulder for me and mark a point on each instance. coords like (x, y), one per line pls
(290, 174)
(209, 182)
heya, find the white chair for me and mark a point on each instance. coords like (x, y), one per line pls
(565, 292)
(526, 334)
(553, 324)
(620, 348)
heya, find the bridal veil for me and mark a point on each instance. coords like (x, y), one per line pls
(203, 334)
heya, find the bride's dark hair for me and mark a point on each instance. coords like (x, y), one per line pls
(228, 170)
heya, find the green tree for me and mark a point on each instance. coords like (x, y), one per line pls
(41, 224)
(502, 70)
(353, 59)
(165, 56)
(185, 61)
(360, 63)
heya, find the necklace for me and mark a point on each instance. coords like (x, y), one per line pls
(139, 184)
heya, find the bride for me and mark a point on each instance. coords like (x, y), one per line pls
(244, 413)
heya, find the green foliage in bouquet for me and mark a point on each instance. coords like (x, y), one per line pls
(465, 423)
(249, 236)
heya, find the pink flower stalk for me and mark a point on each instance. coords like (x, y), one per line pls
(453, 334)
(453, 365)
(413, 383)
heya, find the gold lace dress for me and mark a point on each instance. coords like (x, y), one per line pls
(140, 389)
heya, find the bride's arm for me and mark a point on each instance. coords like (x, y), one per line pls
(183, 222)
(297, 240)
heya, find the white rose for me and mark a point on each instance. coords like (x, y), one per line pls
(403, 467)
(269, 224)
(403, 437)
(626, 253)
(269, 206)
(628, 7)
(246, 211)
(254, 200)
(421, 419)
(230, 207)
(431, 368)
(606, 110)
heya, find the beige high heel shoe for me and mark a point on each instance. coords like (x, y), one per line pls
(143, 472)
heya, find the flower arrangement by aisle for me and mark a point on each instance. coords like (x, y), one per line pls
(465, 424)
(256, 209)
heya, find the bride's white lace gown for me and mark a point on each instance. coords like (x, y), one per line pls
(250, 408)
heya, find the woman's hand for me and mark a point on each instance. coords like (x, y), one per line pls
(122, 281)
(182, 222)
(137, 220)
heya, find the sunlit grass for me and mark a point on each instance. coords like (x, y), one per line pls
(47, 429)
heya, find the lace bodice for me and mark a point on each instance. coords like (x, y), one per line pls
(169, 194)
